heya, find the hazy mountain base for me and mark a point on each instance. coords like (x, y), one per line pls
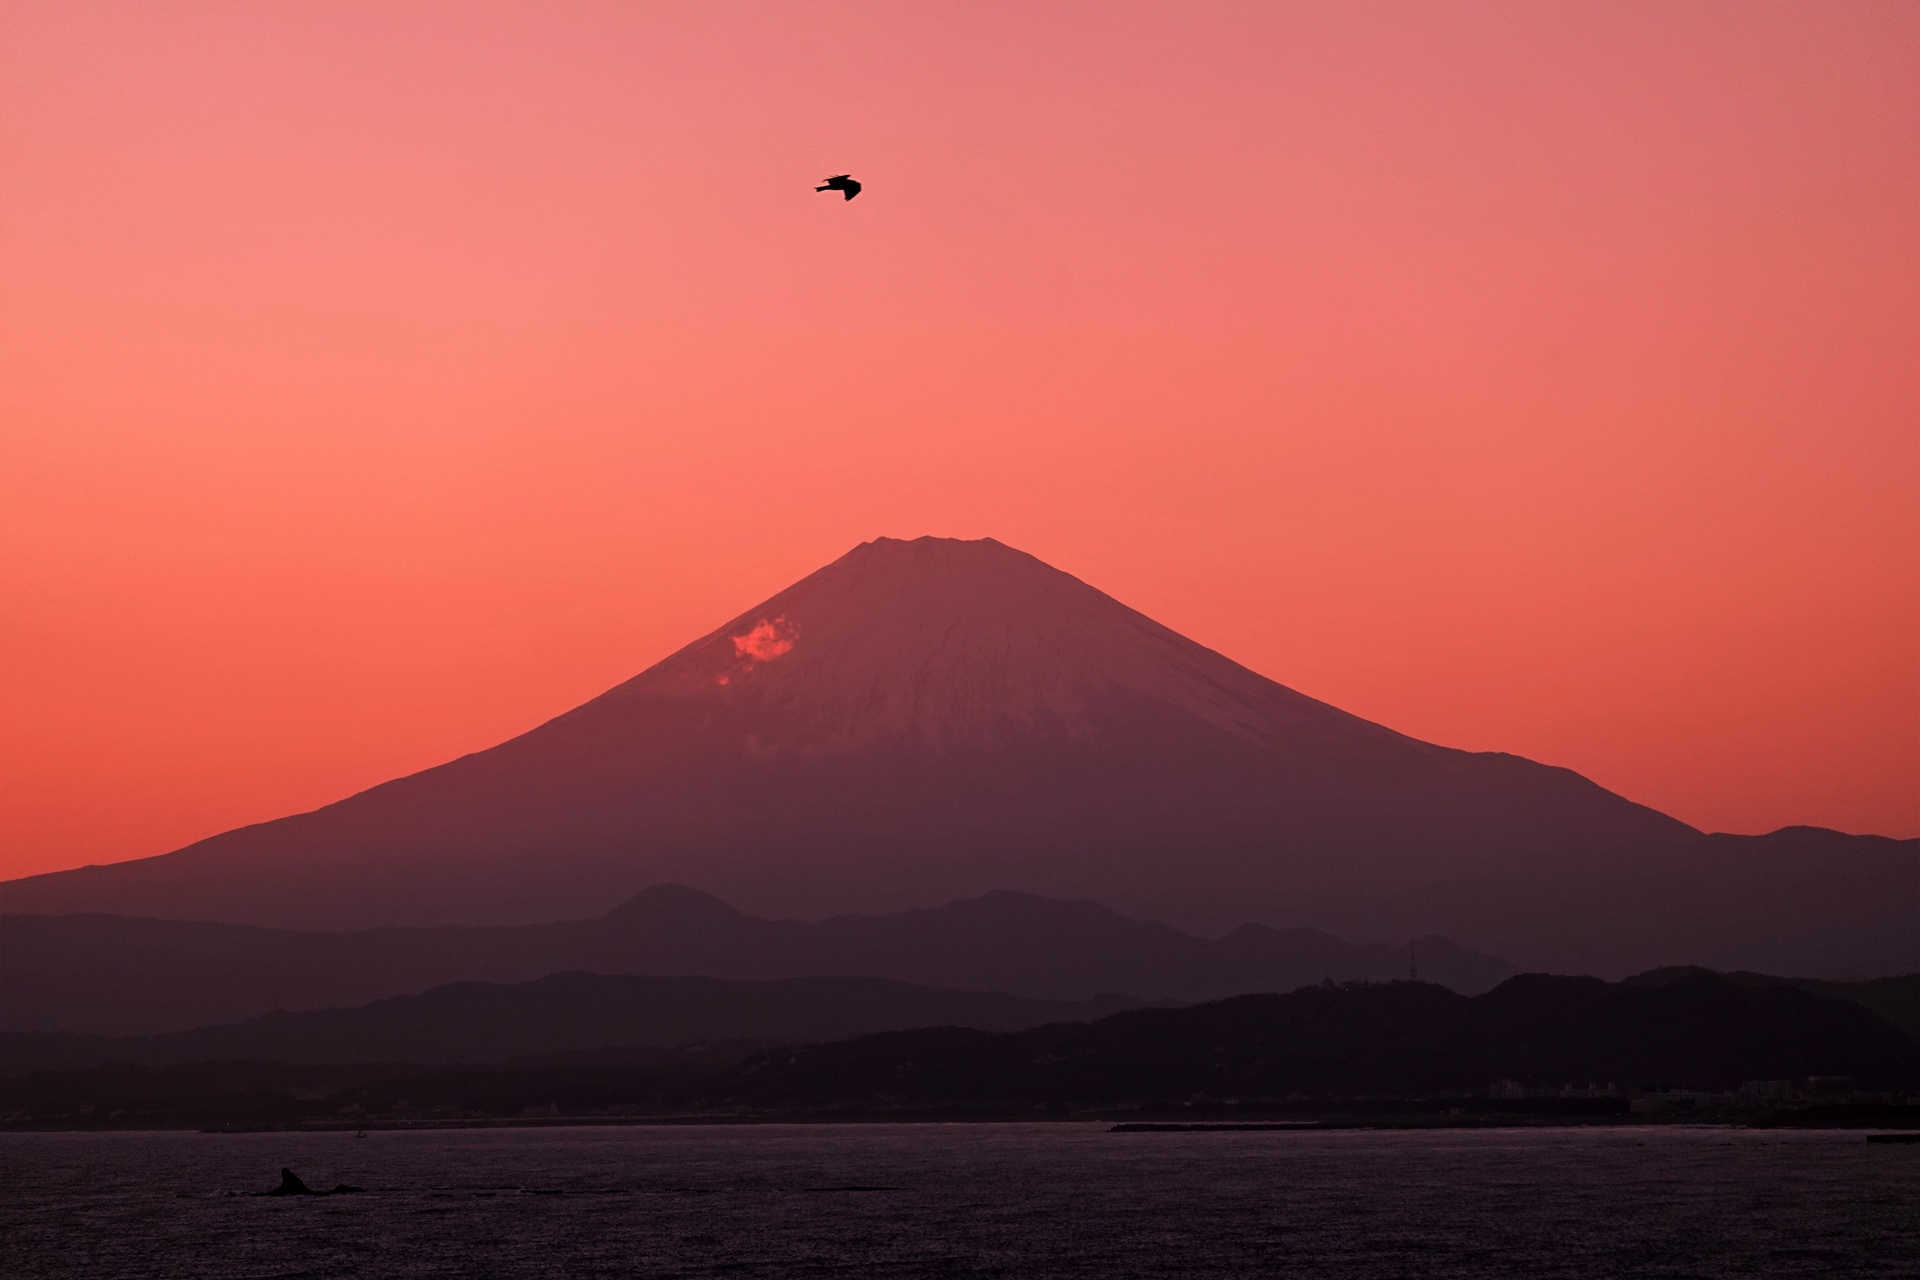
(1323, 1048)
(1800, 900)
(116, 975)
(581, 1018)
(561, 1015)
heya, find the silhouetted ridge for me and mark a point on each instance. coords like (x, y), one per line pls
(1895, 999)
(1396, 1039)
(1355, 1045)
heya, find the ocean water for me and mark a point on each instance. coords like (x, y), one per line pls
(963, 1200)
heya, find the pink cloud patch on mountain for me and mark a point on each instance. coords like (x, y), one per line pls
(766, 641)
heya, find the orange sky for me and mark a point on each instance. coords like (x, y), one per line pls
(378, 380)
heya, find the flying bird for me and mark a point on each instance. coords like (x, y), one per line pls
(842, 182)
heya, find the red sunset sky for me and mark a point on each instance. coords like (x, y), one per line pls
(378, 380)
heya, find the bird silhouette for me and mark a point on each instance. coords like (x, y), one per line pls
(842, 182)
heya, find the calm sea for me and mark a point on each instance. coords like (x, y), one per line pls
(948, 1200)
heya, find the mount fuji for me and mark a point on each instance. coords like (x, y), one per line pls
(931, 719)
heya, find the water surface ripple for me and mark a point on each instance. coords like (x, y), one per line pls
(963, 1200)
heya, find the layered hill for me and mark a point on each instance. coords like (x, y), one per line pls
(117, 975)
(933, 719)
(1319, 1050)
(1702, 1031)
(563, 1014)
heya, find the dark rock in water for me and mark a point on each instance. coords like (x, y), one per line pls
(290, 1185)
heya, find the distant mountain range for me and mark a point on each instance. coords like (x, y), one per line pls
(1697, 1030)
(935, 719)
(588, 1018)
(116, 975)
(1325, 1048)
(566, 1013)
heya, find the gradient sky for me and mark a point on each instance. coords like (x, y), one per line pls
(378, 380)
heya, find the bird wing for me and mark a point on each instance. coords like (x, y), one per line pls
(852, 189)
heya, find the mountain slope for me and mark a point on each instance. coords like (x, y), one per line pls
(914, 722)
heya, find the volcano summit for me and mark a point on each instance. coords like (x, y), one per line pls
(931, 719)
